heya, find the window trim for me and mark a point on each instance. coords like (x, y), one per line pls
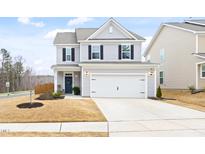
(122, 52)
(201, 71)
(161, 77)
(95, 52)
(68, 54)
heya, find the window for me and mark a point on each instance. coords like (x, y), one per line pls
(126, 51)
(68, 54)
(95, 51)
(161, 77)
(162, 55)
(203, 70)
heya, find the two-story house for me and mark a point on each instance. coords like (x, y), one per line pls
(179, 47)
(103, 62)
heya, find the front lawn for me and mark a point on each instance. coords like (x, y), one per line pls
(185, 98)
(62, 110)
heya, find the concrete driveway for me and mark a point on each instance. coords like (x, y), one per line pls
(144, 117)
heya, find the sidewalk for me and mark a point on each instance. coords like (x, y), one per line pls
(55, 127)
(14, 94)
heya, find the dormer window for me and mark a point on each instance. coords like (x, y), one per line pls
(110, 29)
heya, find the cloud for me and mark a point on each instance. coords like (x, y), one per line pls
(27, 21)
(52, 34)
(79, 21)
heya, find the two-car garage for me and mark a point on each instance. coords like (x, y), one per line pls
(130, 85)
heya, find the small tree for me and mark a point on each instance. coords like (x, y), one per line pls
(159, 92)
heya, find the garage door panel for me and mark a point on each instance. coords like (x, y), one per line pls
(118, 86)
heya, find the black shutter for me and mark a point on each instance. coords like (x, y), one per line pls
(73, 54)
(89, 52)
(64, 54)
(132, 51)
(101, 52)
(119, 52)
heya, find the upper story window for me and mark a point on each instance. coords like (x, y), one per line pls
(68, 54)
(203, 70)
(95, 51)
(162, 55)
(126, 51)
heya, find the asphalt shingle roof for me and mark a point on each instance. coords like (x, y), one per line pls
(65, 38)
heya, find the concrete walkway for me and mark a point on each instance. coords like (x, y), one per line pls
(55, 127)
(144, 117)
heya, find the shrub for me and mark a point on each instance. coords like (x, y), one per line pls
(57, 94)
(76, 90)
(159, 92)
(191, 88)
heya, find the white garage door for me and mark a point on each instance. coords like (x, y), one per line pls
(116, 85)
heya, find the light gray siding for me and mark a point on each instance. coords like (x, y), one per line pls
(110, 51)
(59, 55)
(179, 65)
(86, 79)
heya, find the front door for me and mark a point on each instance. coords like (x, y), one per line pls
(68, 84)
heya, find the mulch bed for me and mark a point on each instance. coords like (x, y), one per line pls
(29, 105)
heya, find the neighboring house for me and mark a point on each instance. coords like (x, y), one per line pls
(180, 50)
(103, 62)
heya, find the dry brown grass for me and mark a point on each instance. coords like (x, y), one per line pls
(53, 134)
(185, 98)
(63, 110)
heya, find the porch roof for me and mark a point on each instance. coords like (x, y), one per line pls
(65, 67)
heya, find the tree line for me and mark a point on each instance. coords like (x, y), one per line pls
(12, 70)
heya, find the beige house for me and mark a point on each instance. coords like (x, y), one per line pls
(180, 50)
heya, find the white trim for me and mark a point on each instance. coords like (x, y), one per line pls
(201, 71)
(197, 43)
(123, 74)
(66, 50)
(155, 82)
(105, 24)
(176, 27)
(67, 44)
(55, 81)
(82, 76)
(72, 73)
(197, 78)
(110, 41)
(199, 56)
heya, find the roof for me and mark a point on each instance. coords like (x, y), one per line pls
(201, 55)
(193, 26)
(188, 26)
(65, 38)
(83, 34)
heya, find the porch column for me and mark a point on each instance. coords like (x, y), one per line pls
(55, 81)
(155, 82)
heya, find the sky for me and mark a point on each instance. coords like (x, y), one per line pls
(33, 38)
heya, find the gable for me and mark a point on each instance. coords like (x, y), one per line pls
(117, 32)
(111, 31)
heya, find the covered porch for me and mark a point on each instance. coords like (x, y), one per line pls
(66, 77)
